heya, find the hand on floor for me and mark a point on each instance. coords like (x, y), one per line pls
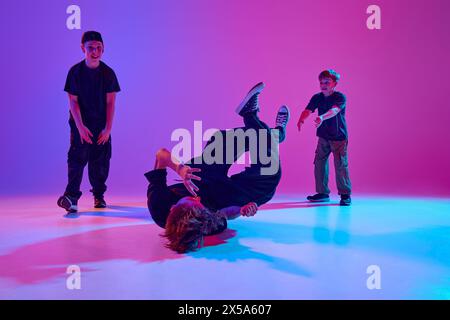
(249, 209)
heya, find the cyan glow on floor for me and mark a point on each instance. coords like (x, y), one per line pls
(290, 250)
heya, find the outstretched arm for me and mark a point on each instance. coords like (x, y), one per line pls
(305, 114)
(328, 115)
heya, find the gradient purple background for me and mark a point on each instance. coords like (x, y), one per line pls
(180, 61)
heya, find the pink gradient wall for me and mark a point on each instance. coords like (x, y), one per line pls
(180, 61)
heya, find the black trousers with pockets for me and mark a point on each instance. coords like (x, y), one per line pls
(97, 157)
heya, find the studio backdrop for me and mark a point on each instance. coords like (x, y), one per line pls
(185, 61)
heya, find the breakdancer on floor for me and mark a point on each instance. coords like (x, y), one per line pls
(189, 211)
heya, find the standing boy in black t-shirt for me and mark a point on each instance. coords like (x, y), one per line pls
(91, 86)
(333, 137)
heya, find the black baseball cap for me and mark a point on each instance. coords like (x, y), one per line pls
(91, 36)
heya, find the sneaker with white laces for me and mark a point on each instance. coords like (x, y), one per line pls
(68, 203)
(250, 102)
(283, 116)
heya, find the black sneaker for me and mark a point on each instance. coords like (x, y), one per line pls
(99, 202)
(319, 197)
(346, 200)
(68, 203)
(250, 102)
(283, 116)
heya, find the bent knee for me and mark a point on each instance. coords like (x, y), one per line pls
(162, 153)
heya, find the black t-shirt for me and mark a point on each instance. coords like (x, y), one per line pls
(169, 196)
(91, 86)
(334, 128)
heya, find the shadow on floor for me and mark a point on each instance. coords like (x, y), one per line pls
(115, 211)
